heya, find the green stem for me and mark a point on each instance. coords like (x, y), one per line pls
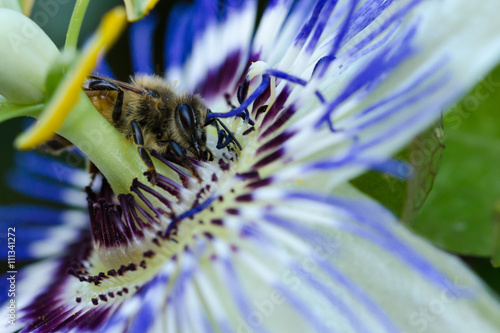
(76, 23)
(115, 157)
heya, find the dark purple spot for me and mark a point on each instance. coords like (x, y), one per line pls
(248, 131)
(122, 270)
(259, 101)
(216, 222)
(260, 111)
(275, 142)
(224, 165)
(269, 158)
(95, 301)
(248, 175)
(244, 198)
(280, 121)
(276, 107)
(260, 183)
(232, 211)
(78, 299)
(218, 79)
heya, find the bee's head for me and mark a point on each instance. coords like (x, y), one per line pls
(172, 116)
(190, 128)
(181, 123)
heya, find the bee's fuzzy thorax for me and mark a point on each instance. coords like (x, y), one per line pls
(152, 103)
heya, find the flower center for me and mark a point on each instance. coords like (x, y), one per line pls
(135, 235)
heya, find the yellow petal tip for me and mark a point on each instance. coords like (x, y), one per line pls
(114, 21)
(32, 138)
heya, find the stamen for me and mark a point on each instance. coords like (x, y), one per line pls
(183, 176)
(141, 196)
(149, 190)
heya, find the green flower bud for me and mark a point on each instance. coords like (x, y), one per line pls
(26, 54)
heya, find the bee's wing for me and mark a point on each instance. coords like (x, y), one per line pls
(123, 85)
(104, 93)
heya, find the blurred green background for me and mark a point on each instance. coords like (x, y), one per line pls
(458, 215)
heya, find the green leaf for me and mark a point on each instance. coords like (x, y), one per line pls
(495, 256)
(389, 191)
(458, 215)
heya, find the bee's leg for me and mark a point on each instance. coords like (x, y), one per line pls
(143, 153)
(56, 145)
(101, 84)
(176, 150)
(93, 171)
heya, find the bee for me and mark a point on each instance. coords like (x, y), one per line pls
(156, 117)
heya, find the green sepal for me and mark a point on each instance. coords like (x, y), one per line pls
(10, 110)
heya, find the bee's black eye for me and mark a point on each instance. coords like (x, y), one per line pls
(153, 93)
(186, 115)
(159, 135)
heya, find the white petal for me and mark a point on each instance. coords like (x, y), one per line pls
(360, 271)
